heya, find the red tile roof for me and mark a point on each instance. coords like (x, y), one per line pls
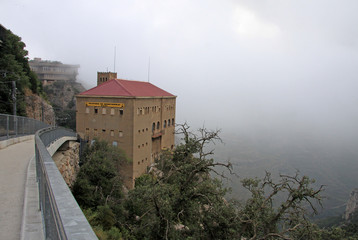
(127, 88)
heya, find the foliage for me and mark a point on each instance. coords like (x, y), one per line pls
(98, 182)
(98, 188)
(66, 118)
(261, 220)
(14, 66)
(346, 230)
(179, 198)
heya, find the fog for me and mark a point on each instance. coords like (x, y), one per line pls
(231, 63)
(276, 73)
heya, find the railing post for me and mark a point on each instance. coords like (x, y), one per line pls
(23, 126)
(7, 126)
(15, 125)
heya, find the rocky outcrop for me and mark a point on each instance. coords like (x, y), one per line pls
(62, 94)
(67, 161)
(352, 205)
(37, 108)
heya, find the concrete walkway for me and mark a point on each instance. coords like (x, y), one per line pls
(14, 161)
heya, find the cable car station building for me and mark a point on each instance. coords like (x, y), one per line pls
(135, 116)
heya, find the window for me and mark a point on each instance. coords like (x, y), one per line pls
(87, 110)
(95, 132)
(168, 122)
(120, 134)
(120, 111)
(112, 111)
(172, 121)
(165, 124)
(95, 110)
(87, 131)
(158, 125)
(103, 130)
(114, 143)
(112, 133)
(153, 127)
(103, 110)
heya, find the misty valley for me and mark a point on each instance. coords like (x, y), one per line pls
(330, 159)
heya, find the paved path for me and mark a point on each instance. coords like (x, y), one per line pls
(14, 161)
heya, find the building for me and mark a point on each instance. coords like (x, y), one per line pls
(51, 71)
(135, 116)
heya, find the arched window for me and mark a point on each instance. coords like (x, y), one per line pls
(172, 121)
(158, 125)
(168, 122)
(165, 123)
(153, 127)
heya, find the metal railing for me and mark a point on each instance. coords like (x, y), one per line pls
(14, 126)
(62, 217)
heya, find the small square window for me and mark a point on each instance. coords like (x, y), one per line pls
(120, 111)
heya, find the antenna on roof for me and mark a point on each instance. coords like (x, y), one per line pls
(114, 65)
(148, 68)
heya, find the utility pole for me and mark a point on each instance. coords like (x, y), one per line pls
(14, 105)
(14, 97)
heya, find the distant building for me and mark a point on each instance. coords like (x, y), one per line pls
(135, 116)
(51, 71)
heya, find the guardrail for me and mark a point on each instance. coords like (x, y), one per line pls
(62, 217)
(14, 126)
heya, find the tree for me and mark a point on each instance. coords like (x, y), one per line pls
(14, 66)
(259, 218)
(181, 200)
(98, 182)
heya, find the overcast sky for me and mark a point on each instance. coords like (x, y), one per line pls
(231, 63)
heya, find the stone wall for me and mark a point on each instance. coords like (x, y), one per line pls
(67, 160)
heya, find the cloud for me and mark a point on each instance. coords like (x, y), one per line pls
(248, 24)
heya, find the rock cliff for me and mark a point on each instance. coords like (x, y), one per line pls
(38, 108)
(62, 94)
(352, 205)
(67, 161)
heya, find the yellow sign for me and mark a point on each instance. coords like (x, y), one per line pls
(104, 104)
